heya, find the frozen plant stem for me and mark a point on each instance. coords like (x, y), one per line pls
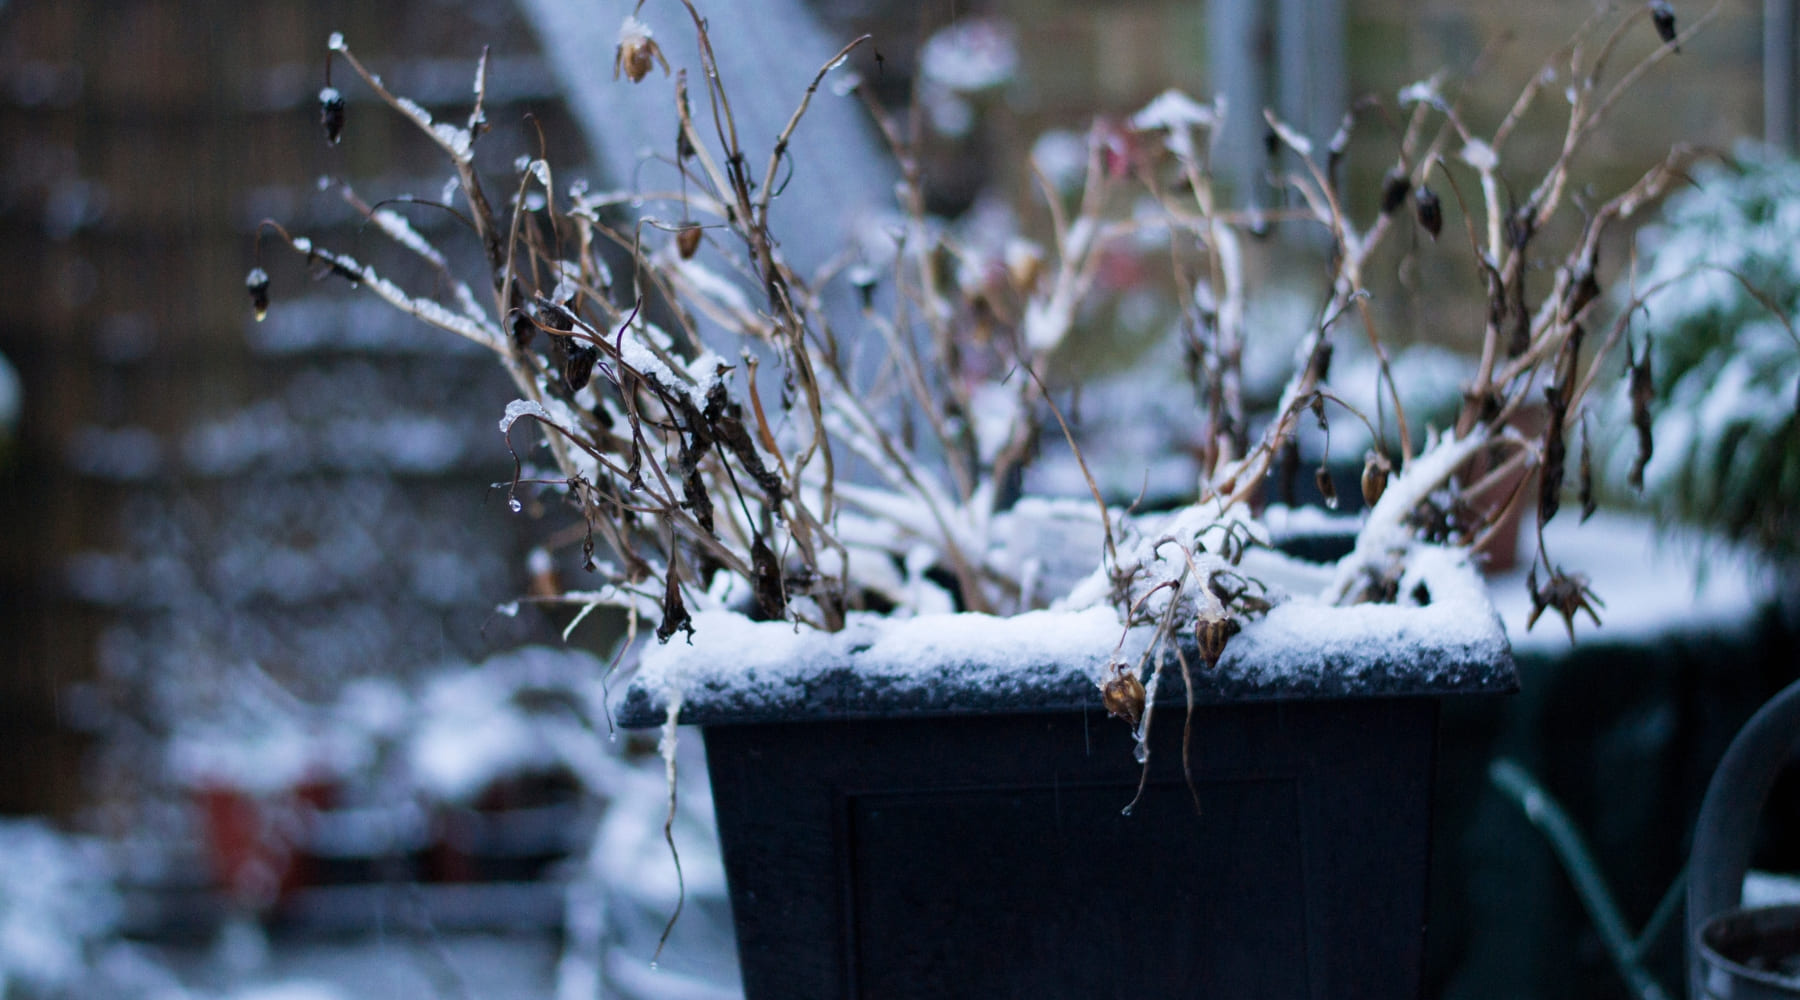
(742, 460)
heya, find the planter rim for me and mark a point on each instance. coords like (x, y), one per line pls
(742, 672)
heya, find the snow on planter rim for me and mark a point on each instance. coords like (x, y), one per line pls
(739, 671)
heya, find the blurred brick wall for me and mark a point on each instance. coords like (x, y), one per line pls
(144, 139)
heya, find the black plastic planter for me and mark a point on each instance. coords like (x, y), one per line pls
(897, 831)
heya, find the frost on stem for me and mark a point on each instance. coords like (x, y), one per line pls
(736, 459)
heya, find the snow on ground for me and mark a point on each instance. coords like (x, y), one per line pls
(1655, 581)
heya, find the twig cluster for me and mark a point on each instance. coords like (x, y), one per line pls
(725, 444)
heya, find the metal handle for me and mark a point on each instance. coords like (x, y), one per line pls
(1726, 829)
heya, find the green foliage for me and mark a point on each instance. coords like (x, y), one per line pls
(1721, 276)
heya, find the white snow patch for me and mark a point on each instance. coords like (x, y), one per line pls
(1178, 114)
(1480, 155)
(972, 55)
(1654, 582)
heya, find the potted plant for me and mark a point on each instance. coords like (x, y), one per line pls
(809, 488)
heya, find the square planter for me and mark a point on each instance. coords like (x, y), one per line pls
(934, 807)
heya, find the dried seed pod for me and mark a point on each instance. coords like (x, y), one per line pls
(1327, 489)
(523, 329)
(578, 363)
(257, 283)
(1394, 189)
(1288, 470)
(1585, 472)
(1212, 634)
(771, 597)
(331, 114)
(1663, 16)
(1318, 365)
(637, 51)
(1550, 477)
(687, 240)
(1024, 264)
(557, 318)
(1642, 391)
(675, 615)
(1375, 476)
(1123, 695)
(862, 277)
(1430, 212)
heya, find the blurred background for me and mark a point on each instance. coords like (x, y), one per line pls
(274, 719)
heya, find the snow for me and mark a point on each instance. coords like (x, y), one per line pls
(1480, 155)
(402, 232)
(1655, 582)
(738, 670)
(1421, 92)
(1061, 156)
(633, 32)
(975, 54)
(523, 408)
(1179, 115)
(772, 663)
(55, 903)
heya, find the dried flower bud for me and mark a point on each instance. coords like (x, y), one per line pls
(1663, 16)
(637, 51)
(1394, 189)
(579, 359)
(523, 329)
(1430, 213)
(687, 240)
(1123, 696)
(1212, 634)
(331, 114)
(1375, 476)
(1288, 470)
(862, 277)
(1550, 476)
(771, 596)
(1327, 488)
(1642, 391)
(1585, 484)
(674, 612)
(257, 282)
(541, 568)
(1024, 264)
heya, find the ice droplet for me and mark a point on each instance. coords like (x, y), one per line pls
(1331, 502)
(1125, 811)
(1141, 752)
(514, 503)
(653, 965)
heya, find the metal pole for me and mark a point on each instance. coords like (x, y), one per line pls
(1778, 73)
(1237, 39)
